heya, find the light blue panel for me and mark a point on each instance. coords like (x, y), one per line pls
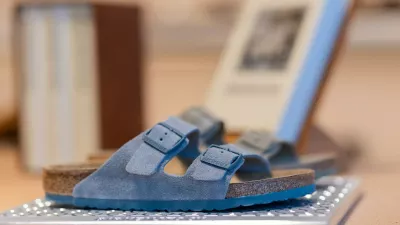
(313, 69)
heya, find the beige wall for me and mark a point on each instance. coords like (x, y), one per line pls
(362, 104)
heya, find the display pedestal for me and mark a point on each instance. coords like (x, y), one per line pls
(330, 204)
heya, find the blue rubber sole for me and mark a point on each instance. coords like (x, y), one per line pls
(182, 205)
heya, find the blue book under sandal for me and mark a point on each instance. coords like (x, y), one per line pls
(134, 178)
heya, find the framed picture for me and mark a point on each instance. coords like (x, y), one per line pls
(274, 62)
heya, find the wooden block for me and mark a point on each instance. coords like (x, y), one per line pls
(119, 44)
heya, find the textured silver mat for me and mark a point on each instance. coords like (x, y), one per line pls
(334, 197)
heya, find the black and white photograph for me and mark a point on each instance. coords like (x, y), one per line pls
(273, 37)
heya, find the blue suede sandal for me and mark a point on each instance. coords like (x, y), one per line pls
(134, 178)
(281, 154)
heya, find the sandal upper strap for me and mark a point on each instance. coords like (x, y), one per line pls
(257, 141)
(136, 170)
(217, 163)
(164, 137)
(263, 142)
(222, 157)
(211, 128)
(161, 143)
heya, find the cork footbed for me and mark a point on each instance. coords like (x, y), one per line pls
(61, 180)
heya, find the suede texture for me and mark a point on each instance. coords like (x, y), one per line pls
(265, 144)
(136, 170)
(212, 129)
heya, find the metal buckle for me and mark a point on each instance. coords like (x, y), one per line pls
(157, 142)
(216, 156)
